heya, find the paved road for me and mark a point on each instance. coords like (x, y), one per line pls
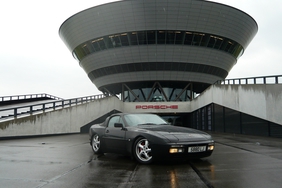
(68, 161)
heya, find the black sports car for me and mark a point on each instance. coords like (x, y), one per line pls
(148, 137)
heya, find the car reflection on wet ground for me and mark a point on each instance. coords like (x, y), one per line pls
(68, 161)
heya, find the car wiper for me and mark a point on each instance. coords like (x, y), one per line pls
(147, 124)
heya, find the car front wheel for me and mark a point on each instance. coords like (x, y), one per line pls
(142, 151)
(96, 144)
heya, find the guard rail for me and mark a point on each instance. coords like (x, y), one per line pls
(28, 96)
(26, 110)
(253, 80)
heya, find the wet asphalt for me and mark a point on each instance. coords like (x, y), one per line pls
(68, 161)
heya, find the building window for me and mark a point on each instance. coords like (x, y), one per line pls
(151, 35)
(158, 37)
(142, 38)
(124, 39)
(133, 38)
(159, 66)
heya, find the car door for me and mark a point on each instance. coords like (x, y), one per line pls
(114, 137)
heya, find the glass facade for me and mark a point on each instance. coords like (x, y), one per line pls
(158, 37)
(217, 118)
(157, 95)
(158, 66)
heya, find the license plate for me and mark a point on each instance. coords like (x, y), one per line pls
(196, 149)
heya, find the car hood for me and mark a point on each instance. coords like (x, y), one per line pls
(178, 134)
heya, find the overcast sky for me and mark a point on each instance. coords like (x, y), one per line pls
(33, 58)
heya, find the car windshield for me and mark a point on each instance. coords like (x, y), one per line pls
(143, 119)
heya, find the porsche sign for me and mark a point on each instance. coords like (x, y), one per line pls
(144, 107)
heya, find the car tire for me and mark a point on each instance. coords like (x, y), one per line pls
(142, 151)
(96, 144)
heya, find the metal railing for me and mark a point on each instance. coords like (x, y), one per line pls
(252, 80)
(29, 96)
(27, 110)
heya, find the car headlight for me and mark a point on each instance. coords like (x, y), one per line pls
(211, 147)
(176, 149)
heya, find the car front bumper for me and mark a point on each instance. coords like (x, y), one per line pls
(177, 151)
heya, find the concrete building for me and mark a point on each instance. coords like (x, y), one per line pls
(157, 56)
(162, 50)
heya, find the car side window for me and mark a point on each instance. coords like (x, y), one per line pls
(113, 120)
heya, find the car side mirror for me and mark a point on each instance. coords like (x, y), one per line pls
(118, 125)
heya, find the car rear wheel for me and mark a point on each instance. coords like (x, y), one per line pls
(142, 151)
(96, 144)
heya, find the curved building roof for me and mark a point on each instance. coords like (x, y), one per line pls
(173, 42)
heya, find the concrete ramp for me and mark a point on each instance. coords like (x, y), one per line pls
(260, 100)
(62, 121)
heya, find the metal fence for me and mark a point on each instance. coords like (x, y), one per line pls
(252, 80)
(27, 110)
(29, 96)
